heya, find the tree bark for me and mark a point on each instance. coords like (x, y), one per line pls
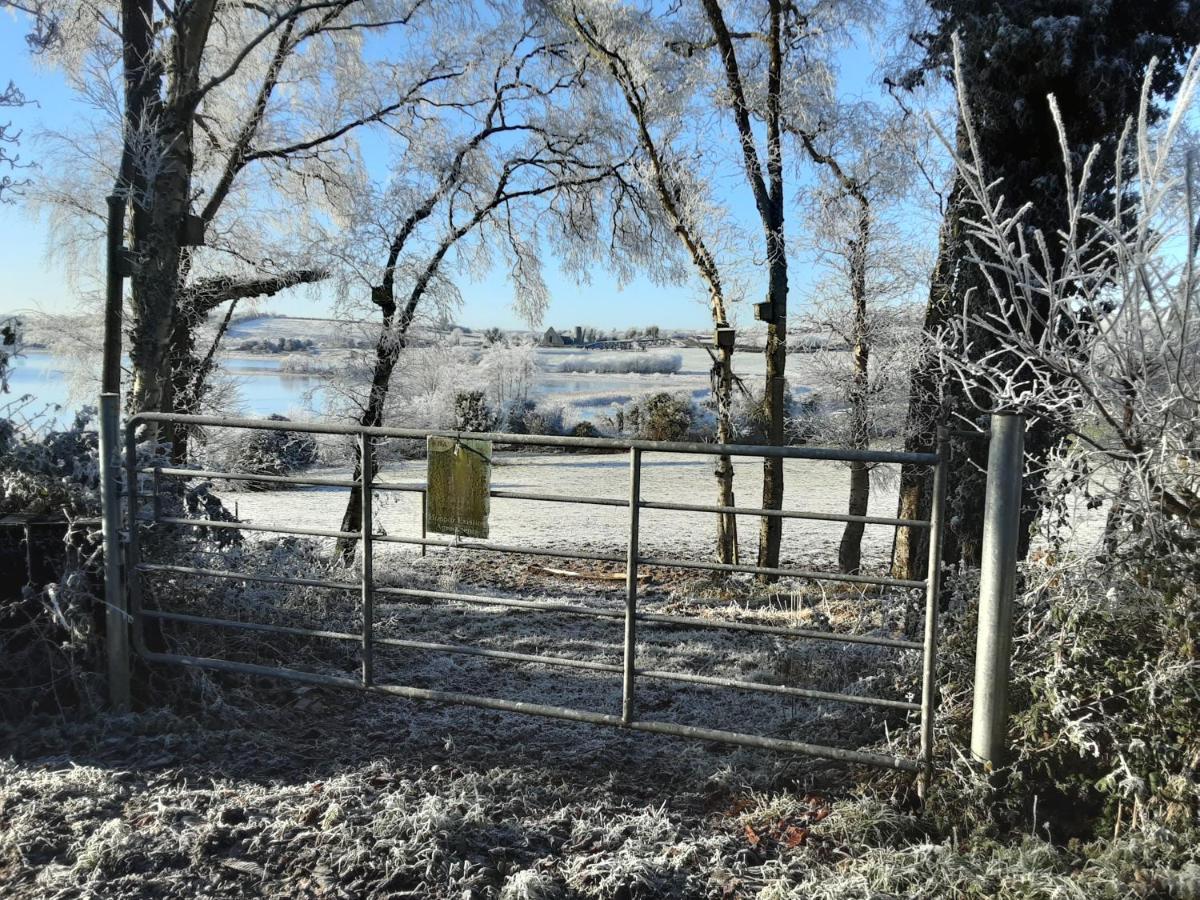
(161, 207)
(926, 395)
(850, 549)
(775, 396)
(936, 396)
(727, 539)
(393, 335)
(190, 373)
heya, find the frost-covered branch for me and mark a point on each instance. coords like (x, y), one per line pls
(1093, 328)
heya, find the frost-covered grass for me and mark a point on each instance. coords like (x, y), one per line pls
(252, 787)
(623, 363)
(336, 796)
(809, 485)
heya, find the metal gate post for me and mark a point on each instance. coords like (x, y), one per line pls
(997, 586)
(368, 574)
(116, 608)
(933, 587)
(133, 553)
(631, 586)
(424, 520)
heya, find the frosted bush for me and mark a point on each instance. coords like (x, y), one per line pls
(623, 364)
(271, 453)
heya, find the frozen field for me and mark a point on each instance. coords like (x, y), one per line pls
(810, 486)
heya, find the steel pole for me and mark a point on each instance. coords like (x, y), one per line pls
(116, 612)
(368, 573)
(116, 604)
(631, 586)
(114, 296)
(933, 586)
(424, 519)
(997, 588)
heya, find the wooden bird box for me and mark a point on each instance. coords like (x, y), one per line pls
(724, 337)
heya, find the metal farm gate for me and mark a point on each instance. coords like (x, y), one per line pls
(144, 483)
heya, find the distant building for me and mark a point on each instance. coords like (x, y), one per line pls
(552, 339)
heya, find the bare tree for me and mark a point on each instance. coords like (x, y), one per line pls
(526, 164)
(866, 164)
(628, 45)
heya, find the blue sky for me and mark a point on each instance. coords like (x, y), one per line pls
(31, 281)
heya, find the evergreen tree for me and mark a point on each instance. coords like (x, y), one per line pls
(1091, 57)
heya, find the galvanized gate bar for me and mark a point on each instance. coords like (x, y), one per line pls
(933, 575)
(631, 587)
(554, 712)
(782, 573)
(402, 643)
(367, 470)
(538, 659)
(271, 529)
(560, 554)
(553, 498)
(322, 481)
(784, 513)
(544, 440)
(546, 606)
(116, 614)
(781, 630)
(459, 544)
(133, 557)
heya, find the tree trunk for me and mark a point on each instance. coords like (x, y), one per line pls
(155, 284)
(775, 404)
(850, 550)
(766, 184)
(957, 280)
(392, 339)
(927, 395)
(183, 367)
(771, 212)
(727, 546)
(160, 208)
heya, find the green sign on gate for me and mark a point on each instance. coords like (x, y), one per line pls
(459, 478)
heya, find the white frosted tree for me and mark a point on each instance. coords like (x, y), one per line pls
(220, 119)
(653, 95)
(502, 162)
(857, 217)
(1119, 371)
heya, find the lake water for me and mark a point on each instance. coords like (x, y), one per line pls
(263, 390)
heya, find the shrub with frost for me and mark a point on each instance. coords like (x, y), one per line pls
(623, 363)
(261, 452)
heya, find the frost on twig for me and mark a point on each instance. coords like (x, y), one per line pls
(1093, 327)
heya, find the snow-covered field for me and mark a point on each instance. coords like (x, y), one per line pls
(809, 486)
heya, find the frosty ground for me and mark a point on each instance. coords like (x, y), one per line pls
(809, 485)
(252, 787)
(231, 786)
